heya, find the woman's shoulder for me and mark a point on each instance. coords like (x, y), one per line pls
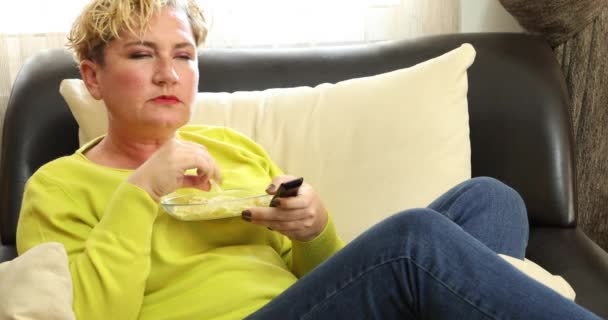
(217, 134)
(212, 131)
(62, 168)
(223, 139)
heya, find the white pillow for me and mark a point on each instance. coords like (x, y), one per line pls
(370, 146)
(536, 272)
(37, 285)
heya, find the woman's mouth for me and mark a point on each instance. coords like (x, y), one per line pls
(166, 100)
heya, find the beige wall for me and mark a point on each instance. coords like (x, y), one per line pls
(486, 16)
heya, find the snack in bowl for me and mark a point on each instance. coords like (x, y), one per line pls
(212, 205)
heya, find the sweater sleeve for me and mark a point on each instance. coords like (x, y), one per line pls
(301, 257)
(109, 257)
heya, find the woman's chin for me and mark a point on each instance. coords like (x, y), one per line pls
(164, 117)
(169, 123)
(173, 126)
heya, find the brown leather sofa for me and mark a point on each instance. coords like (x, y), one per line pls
(519, 120)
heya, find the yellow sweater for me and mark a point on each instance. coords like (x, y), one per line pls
(130, 260)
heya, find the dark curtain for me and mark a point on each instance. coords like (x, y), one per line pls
(578, 32)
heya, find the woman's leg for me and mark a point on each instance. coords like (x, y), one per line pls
(490, 211)
(418, 264)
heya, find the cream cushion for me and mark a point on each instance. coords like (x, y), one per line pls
(541, 275)
(37, 285)
(370, 146)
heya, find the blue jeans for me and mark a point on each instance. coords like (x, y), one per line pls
(433, 263)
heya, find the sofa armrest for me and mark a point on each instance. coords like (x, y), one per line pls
(568, 252)
(7, 252)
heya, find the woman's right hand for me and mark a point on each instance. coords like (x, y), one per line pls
(163, 172)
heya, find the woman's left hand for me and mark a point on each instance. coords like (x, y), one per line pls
(301, 218)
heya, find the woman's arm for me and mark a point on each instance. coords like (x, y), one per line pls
(109, 256)
(109, 247)
(302, 257)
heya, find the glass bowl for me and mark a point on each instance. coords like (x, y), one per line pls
(212, 205)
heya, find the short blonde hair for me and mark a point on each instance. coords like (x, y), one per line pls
(101, 21)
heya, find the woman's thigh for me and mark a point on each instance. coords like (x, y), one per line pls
(418, 264)
(490, 211)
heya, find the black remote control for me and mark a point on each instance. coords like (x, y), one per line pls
(288, 189)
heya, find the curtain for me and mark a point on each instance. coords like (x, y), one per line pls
(237, 23)
(578, 32)
(279, 23)
(14, 51)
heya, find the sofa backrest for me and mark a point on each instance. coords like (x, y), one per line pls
(520, 127)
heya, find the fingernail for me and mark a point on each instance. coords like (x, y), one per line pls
(275, 202)
(246, 215)
(270, 187)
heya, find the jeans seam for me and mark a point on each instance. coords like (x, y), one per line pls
(454, 198)
(376, 266)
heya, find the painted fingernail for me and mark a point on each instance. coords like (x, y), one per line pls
(270, 187)
(275, 202)
(246, 215)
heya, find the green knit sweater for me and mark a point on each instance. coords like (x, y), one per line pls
(130, 260)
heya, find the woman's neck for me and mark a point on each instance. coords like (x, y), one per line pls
(125, 150)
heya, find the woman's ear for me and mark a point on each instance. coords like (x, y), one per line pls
(90, 72)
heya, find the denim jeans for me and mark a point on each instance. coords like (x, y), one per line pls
(438, 262)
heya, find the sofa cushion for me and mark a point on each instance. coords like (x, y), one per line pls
(370, 146)
(37, 285)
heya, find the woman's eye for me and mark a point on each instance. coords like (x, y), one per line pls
(184, 57)
(139, 55)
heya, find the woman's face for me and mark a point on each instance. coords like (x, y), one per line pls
(148, 84)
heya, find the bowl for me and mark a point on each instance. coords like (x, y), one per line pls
(212, 205)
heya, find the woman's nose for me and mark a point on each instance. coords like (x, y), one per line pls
(165, 72)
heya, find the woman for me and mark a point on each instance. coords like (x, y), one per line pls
(129, 260)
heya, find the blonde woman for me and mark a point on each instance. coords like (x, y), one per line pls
(129, 260)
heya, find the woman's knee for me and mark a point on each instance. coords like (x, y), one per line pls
(500, 195)
(415, 233)
(497, 187)
(417, 222)
(506, 211)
